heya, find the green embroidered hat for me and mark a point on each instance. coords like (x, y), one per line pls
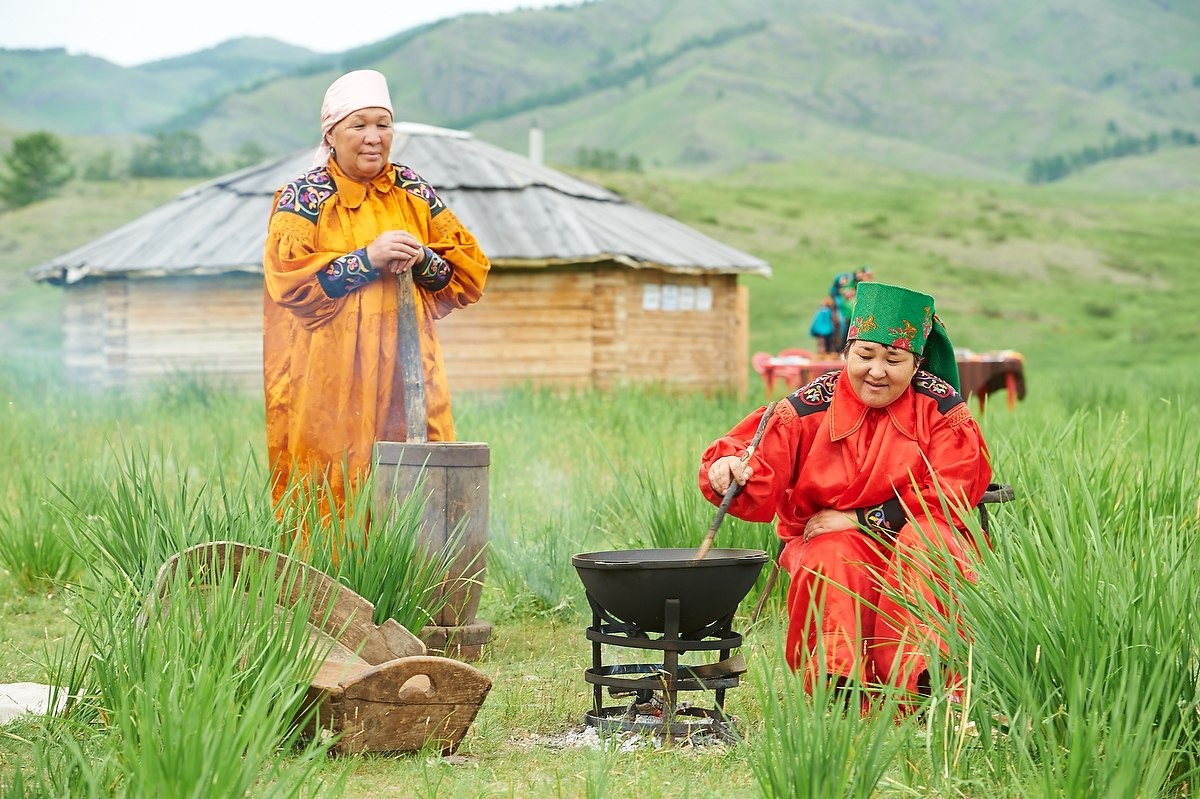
(905, 319)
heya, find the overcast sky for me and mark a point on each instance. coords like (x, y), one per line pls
(130, 32)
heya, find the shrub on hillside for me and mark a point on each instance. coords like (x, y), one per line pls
(35, 169)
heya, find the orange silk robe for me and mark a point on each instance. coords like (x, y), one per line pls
(332, 380)
(823, 448)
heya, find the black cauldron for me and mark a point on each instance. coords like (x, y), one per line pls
(634, 585)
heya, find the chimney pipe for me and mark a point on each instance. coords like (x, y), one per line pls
(536, 154)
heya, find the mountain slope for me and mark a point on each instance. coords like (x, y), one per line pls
(963, 87)
(979, 87)
(84, 95)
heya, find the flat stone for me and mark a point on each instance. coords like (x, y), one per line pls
(19, 698)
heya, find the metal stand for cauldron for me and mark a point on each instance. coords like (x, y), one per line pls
(667, 678)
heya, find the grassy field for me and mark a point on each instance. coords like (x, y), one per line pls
(1093, 652)
(1067, 277)
(1083, 671)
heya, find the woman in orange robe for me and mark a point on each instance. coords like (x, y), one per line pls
(851, 466)
(337, 239)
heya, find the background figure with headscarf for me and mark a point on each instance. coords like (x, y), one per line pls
(842, 292)
(869, 473)
(840, 323)
(338, 237)
(823, 327)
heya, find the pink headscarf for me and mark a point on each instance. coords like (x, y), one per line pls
(363, 88)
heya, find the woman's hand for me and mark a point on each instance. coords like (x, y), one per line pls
(829, 521)
(726, 470)
(395, 251)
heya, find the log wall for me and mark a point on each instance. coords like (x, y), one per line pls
(575, 327)
(600, 327)
(131, 333)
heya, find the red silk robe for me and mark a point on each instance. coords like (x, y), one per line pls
(823, 448)
(332, 380)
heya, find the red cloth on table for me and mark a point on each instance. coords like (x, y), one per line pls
(983, 375)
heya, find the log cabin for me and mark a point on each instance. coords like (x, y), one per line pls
(587, 289)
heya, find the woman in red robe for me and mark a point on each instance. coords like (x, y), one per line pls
(869, 473)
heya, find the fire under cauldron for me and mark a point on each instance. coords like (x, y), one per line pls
(690, 603)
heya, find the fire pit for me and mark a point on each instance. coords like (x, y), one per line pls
(634, 593)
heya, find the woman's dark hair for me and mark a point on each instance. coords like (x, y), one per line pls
(918, 359)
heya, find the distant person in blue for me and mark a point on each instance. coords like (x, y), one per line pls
(841, 320)
(840, 281)
(842, 292)
(845, 309)
(824, 327)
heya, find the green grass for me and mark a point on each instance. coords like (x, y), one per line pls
(1098, 488)
(1082, 665)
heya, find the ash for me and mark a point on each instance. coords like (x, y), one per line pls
(704, 734)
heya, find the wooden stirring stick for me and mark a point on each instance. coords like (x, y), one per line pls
(734, 485)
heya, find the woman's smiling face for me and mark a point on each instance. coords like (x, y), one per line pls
(878, 374)
(362, 143)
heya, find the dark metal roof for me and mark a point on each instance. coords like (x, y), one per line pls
(520, 211)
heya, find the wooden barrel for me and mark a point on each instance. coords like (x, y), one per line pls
(455, 475)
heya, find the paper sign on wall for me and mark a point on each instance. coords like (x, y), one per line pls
(671, 297)
(650, 297)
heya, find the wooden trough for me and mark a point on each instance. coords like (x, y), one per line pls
(377, 688)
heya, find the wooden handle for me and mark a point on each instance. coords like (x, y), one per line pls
(412, 373)
(766, 592)
(707, 543)
(734, 486)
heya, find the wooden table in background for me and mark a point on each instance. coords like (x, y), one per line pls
(793, 370)
(984, 373)
(979, 374)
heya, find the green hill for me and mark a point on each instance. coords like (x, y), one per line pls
(1078, 281)
(73, 95)
(973, 89)
(816, 135)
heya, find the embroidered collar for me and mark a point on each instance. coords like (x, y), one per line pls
(847, 412)
(352, 193)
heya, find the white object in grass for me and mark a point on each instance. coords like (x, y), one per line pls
(19, 698)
